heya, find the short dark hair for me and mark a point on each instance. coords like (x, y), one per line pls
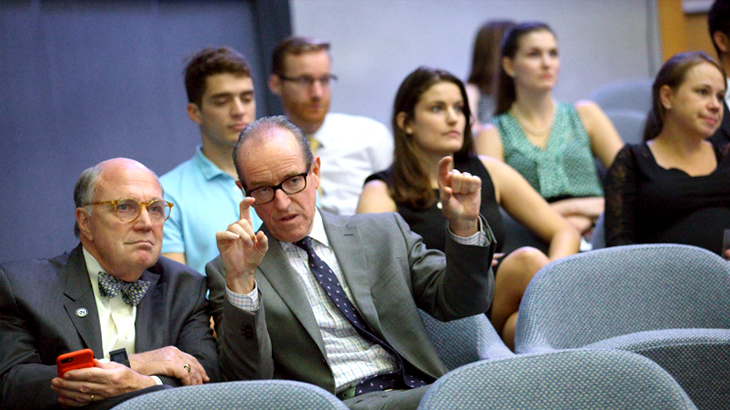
(208, 62)
(295, 45)
(718, 19)
(259, 129)
(672, 74)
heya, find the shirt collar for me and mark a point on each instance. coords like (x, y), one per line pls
(320, 136)
(207, 168)
(318, 233)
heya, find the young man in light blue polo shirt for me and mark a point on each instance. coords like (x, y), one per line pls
(221, 101)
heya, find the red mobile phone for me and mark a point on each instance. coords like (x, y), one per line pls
(74, 360)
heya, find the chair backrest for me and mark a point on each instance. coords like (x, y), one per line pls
(464, 341)
(629, 94)
(596, 295)
(628, 123)
(259, 394)
(564, 380)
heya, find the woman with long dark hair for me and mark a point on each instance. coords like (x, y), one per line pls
(430, 121)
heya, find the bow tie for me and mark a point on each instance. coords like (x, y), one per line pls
(132, 292)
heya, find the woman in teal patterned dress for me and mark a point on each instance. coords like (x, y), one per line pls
(552, 145)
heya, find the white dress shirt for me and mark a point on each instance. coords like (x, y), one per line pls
(115, 317)
(352, 148)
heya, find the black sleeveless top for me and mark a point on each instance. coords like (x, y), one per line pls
(431, 223)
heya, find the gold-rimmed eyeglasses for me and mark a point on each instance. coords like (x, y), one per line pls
(128, 209)
(292, 185)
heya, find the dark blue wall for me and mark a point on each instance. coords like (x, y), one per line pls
(84, 81)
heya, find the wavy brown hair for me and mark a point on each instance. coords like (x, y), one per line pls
(410, 183)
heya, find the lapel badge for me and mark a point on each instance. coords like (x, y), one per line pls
(82, 312)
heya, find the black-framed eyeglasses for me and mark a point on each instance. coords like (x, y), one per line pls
(305, 81)
(292, 185)
(128, 209)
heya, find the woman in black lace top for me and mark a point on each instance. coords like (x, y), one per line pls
(430, 121)
(675, 186)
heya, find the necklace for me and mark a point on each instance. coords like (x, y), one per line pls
(516, 112)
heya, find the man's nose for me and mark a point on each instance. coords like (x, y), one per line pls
(238, 107)
(143, 220)
(281, 199)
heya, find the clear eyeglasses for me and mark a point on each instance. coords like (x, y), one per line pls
(128, 209)
(306, 81)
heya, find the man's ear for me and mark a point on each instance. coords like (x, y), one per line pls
(240, 186)
(401, 121)
(722, 41)
(194, 113)
(275, 84)
(315, 170)
(84, 222)
(508, 66)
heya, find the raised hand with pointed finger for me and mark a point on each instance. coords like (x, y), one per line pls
(242, 250)
(460, 197)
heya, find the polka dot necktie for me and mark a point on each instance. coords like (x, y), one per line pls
(331, 285)
(132, 292)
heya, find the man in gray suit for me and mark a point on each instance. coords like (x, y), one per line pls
(277, 294)
(113, 294)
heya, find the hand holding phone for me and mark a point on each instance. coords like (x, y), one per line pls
(74, 360)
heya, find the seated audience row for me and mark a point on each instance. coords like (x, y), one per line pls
(333, 300)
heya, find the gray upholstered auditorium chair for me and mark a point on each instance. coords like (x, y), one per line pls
(628, 94)
(670, 303)
(565, 380)
(464, 341)
(259, 395)
(628, 123)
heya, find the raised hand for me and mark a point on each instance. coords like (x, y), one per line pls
(242, 250)
(460, 197)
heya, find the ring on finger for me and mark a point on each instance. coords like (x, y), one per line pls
(92, 398)
(187, 367)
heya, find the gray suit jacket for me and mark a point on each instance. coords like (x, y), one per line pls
(40, 319)
(390, 274)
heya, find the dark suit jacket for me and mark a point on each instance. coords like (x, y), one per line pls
(39, 301)
(722, 135)
(390, 274)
